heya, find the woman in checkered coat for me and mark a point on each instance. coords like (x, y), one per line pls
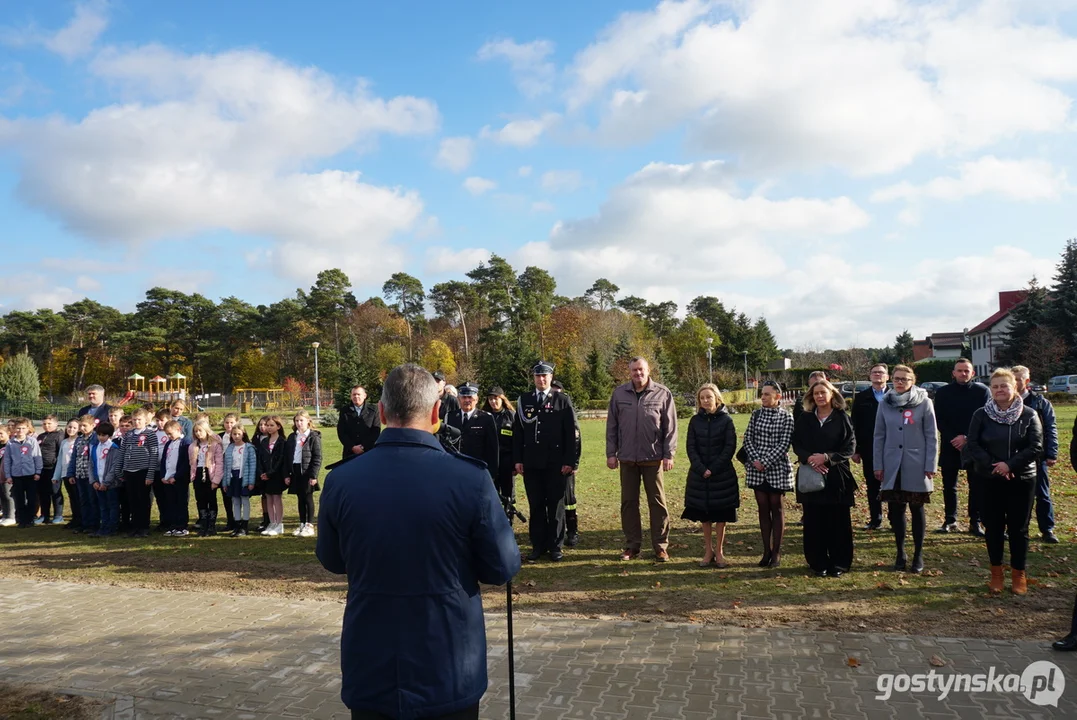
(767, 469)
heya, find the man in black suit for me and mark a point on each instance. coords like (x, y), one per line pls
(544, 451)
(865, 407)
(478, 430)
(448, 401)
(359, 427)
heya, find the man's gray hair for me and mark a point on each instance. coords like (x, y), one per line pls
(1021, 371)
(409, 393)
(639, 359)
(100, 388)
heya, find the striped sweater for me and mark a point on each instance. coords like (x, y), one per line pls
(138, 452)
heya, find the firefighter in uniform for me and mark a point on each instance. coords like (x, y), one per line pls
(504, 417)
(572, 520)
(544, 450)
(478, 430)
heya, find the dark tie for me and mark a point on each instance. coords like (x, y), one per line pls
(542, 398)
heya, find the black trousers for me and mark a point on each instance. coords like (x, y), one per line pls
(506, 486)
(161, 495)
(73, 500)
(174, 499)
(875, 505)
(227, 507)
(546, 498)
(828, 536)
(572, 520)
(24, 492)
(469, 713)
(126, 509)
(305, 496)
(950, 466)
(44, 493)
(139, 498)
(205, 497)
(1007, 505)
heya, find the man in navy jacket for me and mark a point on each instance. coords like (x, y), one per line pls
(414, 639)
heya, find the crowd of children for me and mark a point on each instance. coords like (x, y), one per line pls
(114, 470)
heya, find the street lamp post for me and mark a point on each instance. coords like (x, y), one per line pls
(317, 390)
(710, 364)
(746, 393)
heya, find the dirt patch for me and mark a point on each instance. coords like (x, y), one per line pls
(20, 702)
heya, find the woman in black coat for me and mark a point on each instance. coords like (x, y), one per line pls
(712, 493)
(1005, 442)
(504, 416)
(271, 472)
(823, 442)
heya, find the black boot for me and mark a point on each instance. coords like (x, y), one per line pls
(201, 524)
(919, 527)
(897, 522)
(572, 527)
(265, 522)
(238, 527)
(211, 523)
(241, 528)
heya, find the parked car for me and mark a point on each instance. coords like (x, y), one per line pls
(1037, 387)
(932, 386)
(849, 389)
(1063, 383)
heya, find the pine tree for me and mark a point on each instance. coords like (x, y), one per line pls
(19, 381)
(903, 347)
(354, 371)
(1063, 313)
(570, 376)
(1024, 318)
(596, 379)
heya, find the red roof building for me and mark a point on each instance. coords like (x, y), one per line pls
(989, 336)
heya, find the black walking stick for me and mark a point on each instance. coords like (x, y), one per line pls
(509, 504)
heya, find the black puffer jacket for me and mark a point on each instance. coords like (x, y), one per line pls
(1019, 445)
(712, 440)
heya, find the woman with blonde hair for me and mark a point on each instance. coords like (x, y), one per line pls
(303, 462)
(207, 470)
(905, 453)
(271, 471)
(767, 470)
(1005, 442)
(711, 494)
(504, 416)
(823, 442)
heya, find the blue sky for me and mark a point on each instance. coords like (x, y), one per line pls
(846, 170)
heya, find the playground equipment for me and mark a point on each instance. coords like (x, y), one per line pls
(268, 399)
(156, 389)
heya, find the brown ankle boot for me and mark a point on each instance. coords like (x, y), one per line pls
(1019, 581)
(997, 582)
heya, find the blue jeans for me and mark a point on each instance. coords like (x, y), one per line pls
(109, 503)
(91, 512)
(1045, 511)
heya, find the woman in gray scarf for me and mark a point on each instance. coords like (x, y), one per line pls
(906, 456)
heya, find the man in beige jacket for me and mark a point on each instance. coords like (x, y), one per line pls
(641, 437)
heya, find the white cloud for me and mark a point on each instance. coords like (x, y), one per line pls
(215, 142)
(31, 290)
(455, 153)
(521, 133)
(87, 283)
(78, 37)
(478, 185)
(561, 180)
(443, 260)
(531, 70)
(872, 305)
(867, 87)
(675, 229)
(524, 171)
(74, 40)
(541, 206)
(1025, 180)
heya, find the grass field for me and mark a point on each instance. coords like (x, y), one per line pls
(949, 599)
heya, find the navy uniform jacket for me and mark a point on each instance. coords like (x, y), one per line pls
(414, 640)
(544, 437)
(479, 438)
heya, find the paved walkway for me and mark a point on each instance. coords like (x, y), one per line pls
(157, 654)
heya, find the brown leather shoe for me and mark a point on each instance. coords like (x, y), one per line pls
(1019, 582)
(630, 554)
(997, 581)
(661, 556)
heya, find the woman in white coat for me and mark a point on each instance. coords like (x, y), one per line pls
(906, 458)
